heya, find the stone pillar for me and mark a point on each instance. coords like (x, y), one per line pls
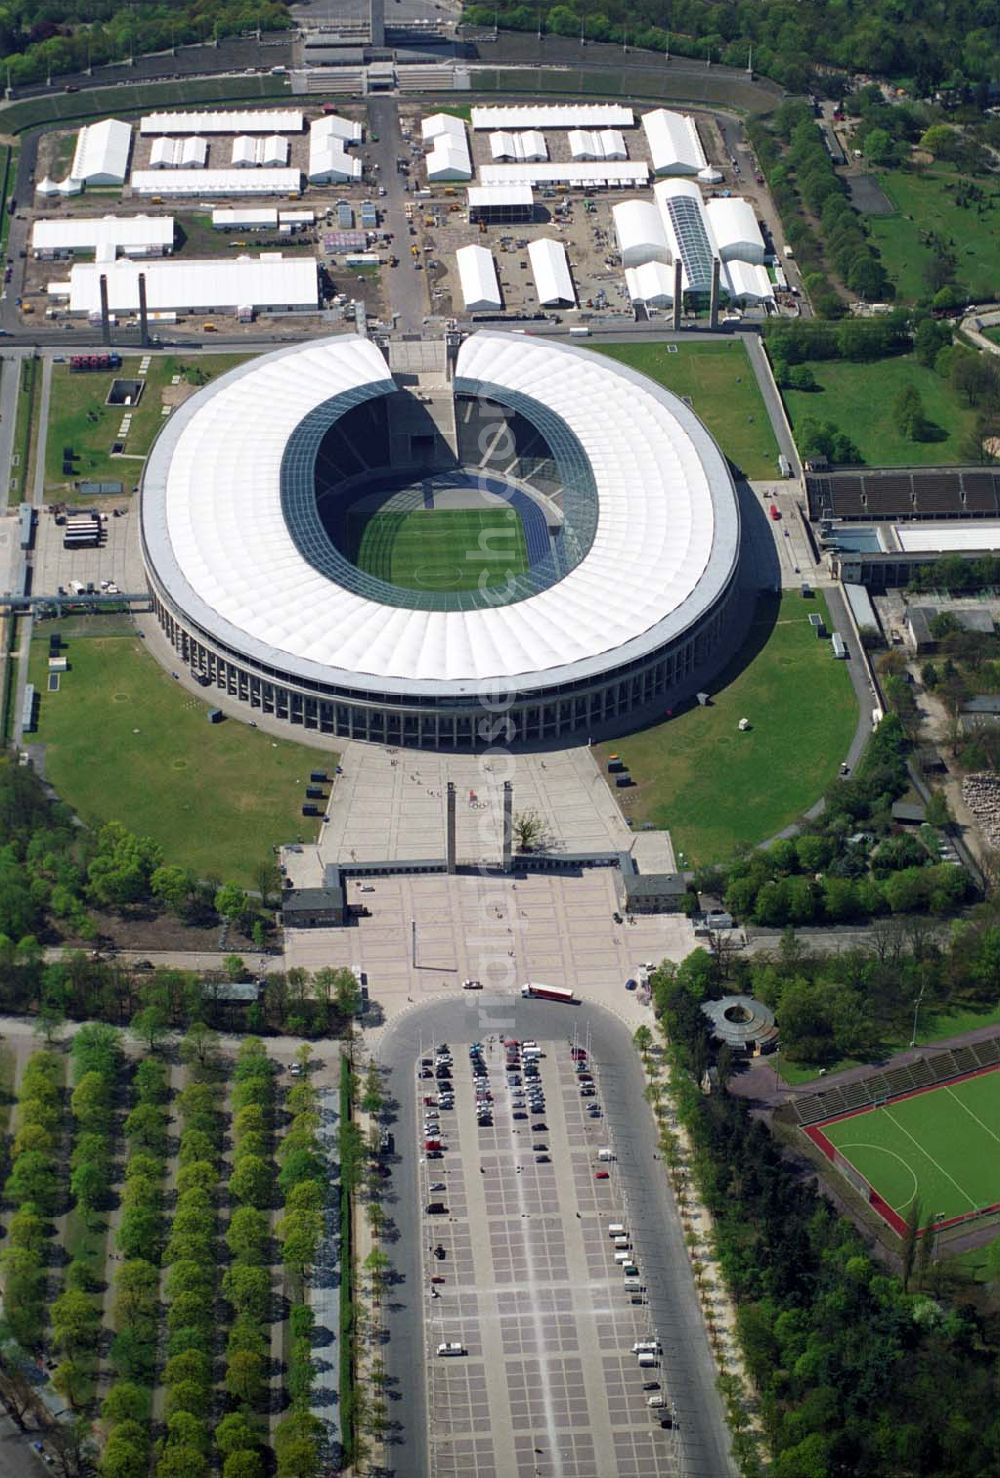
(105, 314)
(451, 861)
(143, 313)
(678, 295)
(713, 302)
(508, 824)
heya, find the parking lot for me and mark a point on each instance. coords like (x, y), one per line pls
(522, 1276)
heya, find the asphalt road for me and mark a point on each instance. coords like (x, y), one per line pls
(688, 1370)
(407, 287)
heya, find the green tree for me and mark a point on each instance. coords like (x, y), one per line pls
(237, 1432)
(91, 1103)
(72, 1380)
(908, 413)
(252, 1182)
(231, 903)
(122, 867)
(125, 1402)
(125, 1454)
(175, 886)
(245, 1377)
(136, 1286)
(249, 1291)
(243, 1463)
(182, 1462)
(75, 1322)
(200, 1045)
(149, 1025)
(247, 1234)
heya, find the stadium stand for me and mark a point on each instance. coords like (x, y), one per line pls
(923, 1072)
(934, 492)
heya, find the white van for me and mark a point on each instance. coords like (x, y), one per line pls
(617, 1229)
(656, 1401)
(622, 1258)
(634, 1285)
(451, 1348)
(622, 1243)
(647, 1361)
(605, 1154)
(644, 1346)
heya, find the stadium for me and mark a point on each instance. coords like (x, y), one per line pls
(442, 544)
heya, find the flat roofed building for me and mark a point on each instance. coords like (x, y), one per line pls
(501, 203)
(478, 278)
(550, 269)
(555, 115)
(201, 182)
(734, 227)
(674, 145)
(640, 233)
(270, 282)
(272, 121)
(133, 236)
(101, 153)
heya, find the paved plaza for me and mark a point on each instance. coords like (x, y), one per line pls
(391, 804)
(500, 930)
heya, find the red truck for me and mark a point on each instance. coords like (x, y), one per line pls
(548, 992)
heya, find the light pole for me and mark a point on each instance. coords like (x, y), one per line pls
(916, 1008)
(413, 943)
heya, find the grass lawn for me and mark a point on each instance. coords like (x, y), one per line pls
(197, 237)
(720, 383)
(124, 742)
(441, 548)
(925, 203)
(939, 1147)
(30, 373)
(993, 334)
(859, 399)
(79, 418)
(713, 786)
(932, 1027)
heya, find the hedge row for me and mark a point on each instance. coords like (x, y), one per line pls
(32, 1188)
(190, 1258)
(135, 1307)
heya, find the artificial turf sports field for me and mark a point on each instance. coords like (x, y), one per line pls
(439, 548)
(941, 1145)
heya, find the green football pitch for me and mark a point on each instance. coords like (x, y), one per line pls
(440, 548)
(941, 1146)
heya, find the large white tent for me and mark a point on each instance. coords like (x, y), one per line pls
(478, 278)
(101, 153)
(735, 230)
(674, 145)
(749, 282)
(513, 147)
(682, 211)
(582, 173)
(269, 282)
(449, 157)
(271, 121)
(652, 284)
(640, 233)
(554, 115)
(329, 161)
(133, 236)
(210, 182)
(550, 269)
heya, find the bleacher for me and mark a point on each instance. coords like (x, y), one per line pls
(925, 1072)
(912, 493)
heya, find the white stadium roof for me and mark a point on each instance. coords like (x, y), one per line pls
(652, 283)
(202, 182)
(101, 153)
(478, 278)
(930, 538)
(216, 283)
(255, 122)
(663, 552)
(674, 145)
(102, 234)
(734, 226)
(550, 269)
(557, 115)
(603, 172)
(640, 233)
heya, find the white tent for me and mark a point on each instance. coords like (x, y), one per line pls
(550, 269)
(478, 278)
(640, 233)
(749, 282)
(187, 153)
(449, 159)
(208, 182)
(613, 143)
(682, 211)
(216, 284)
(583, 174)
(553, 115)
(101, 154)
(652, 284)
(583, 144)
(533, 146)
(503, 146)
(734, 226)
(247, 122)
(512, 147)
(441, 124)
(132, 235)
(342, 128)
(674, 145)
